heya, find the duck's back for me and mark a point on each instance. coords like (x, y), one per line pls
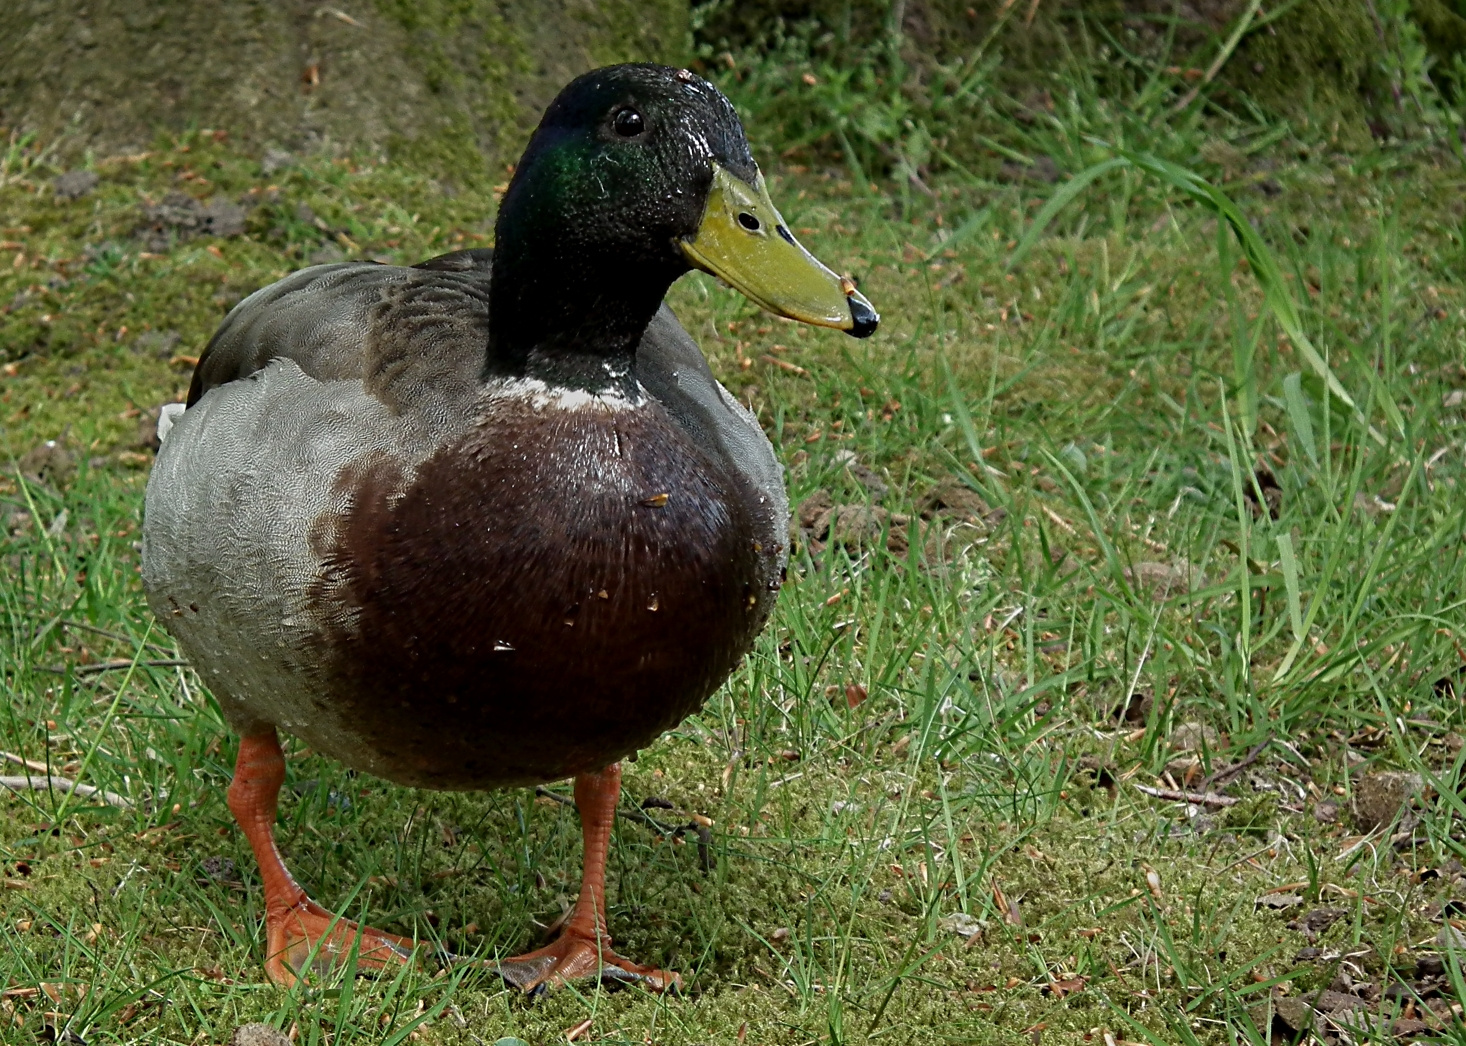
(358, 540)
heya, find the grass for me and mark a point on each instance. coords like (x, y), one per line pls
(1174, 549)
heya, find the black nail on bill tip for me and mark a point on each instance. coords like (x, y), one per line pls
(865, 318)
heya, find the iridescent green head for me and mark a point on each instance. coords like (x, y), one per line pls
(636, 174)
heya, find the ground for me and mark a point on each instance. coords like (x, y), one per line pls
(1078, 536)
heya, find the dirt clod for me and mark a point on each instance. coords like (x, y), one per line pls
(220, 869)
(814, 509)
(256, 1034)
(48, 462)
(1317, 921)
(953, 500)
(1381, 797)
(181, 217)
(275, 160)
(854, 527)
(73, 185)
(1196, 737)
(1165, 580)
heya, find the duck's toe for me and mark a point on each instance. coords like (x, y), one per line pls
(573, 957)
(308, 938)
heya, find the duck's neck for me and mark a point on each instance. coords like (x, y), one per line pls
(567, 321)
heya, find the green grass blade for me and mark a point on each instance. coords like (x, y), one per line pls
(1290, 580)
(1061, 199)
(1298, 415)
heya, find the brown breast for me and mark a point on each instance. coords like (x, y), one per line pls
(544, 597)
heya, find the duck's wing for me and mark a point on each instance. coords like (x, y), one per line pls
(673, 369)
(414, 337)
(336, 379)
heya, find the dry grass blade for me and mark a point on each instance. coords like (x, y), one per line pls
(1198, 798)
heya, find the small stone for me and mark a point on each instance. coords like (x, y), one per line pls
(1329, 1001)
(1279, 900)
(1451, 938)
(960, 923)
(1429, 965)
(73, 185)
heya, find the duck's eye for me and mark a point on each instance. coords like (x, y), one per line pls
(748, 221)
(628, 123)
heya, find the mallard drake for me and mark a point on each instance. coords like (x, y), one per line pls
(490, 520)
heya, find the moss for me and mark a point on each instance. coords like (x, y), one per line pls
(1317, 63)
(1443, 28)
(1255, 815)
(498, 66)
(435, 83)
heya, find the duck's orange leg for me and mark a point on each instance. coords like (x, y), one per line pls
(294, 924)
(583, 948)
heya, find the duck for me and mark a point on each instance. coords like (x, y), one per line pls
(490, 521)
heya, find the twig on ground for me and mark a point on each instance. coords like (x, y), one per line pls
(29, 764)
(1226, 773)
(113, 666)
(54, 783)
(83, 626)
(1198, 798)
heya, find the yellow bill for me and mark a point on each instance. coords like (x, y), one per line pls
(744, 242)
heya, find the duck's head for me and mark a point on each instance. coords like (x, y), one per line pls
(636, 174)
